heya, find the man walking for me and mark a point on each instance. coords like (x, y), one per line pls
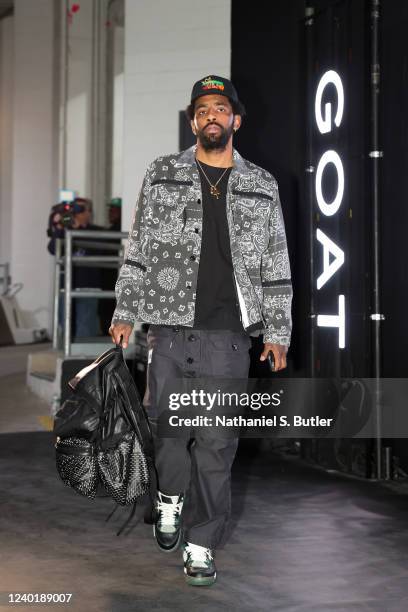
(206, 265)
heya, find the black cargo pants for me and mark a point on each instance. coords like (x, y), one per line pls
(200, 466)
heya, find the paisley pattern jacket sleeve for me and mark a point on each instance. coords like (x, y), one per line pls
(133, 269)
(276, 279)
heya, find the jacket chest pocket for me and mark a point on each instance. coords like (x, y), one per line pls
(251, 213)
(168, 199)
(250, 221)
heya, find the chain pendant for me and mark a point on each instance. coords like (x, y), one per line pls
(215, 191)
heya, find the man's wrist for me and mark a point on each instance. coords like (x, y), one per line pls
(122, 322)
(273, 338)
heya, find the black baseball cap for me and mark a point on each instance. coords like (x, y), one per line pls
(214, 85)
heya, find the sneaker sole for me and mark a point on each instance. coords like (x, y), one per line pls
(200, 581)
(176, 545)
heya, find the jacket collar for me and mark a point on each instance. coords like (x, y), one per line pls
(187, 158)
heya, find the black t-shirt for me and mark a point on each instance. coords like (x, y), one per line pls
(216, 298)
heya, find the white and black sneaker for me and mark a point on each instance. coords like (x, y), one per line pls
(167, 526)
(199, 566)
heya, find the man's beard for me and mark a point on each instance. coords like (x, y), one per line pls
(212, 142)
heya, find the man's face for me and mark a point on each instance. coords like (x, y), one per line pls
(214, 121)
(114, 214)
(82, 219)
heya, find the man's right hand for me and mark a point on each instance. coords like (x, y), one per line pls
(118, 330)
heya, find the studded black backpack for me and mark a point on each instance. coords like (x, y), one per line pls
(103, 435)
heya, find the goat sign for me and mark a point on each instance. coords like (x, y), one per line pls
(333, 255)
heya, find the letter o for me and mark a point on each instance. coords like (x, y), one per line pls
(329, 157)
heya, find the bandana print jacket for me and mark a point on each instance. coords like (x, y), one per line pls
(157, 281)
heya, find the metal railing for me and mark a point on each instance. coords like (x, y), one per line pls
(64, 264)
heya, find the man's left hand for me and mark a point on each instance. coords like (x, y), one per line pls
(279, 352)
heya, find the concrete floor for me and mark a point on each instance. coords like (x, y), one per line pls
(302, 540)
(20, 410)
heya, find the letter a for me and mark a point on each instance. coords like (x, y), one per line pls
(329, 268)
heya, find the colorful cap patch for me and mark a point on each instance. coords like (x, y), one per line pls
(214, 84)
(211, 83)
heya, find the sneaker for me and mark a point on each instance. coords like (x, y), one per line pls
(167, 526)
(199, 566)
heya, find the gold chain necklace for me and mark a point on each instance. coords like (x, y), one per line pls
(213, 188)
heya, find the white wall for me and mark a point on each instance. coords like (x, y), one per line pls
(118, 126)
(79, 95)
(86, 104)
(6, 135)
(33, 165)
(168, 46)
